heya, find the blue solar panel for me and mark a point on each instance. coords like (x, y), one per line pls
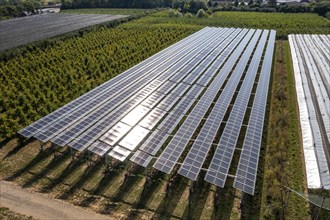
(158, 137)
(168, 97)
(96, 109)
(106, 123)
(247, 168)
(199, 150)
(222, 157)
(141, 158)
(154, 69)
(133, 72)
(174, 149)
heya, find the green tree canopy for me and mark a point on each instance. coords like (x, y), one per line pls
(201, 13)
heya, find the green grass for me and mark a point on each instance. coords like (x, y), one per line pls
(295, 166)
(283, 159)
(112, 11)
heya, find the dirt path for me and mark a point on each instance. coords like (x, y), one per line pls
(38, 205)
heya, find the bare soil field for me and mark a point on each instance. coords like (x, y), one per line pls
(39, 206)
(20, 31)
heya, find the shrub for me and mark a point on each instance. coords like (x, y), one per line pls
(174, 13)
(201, 13)
(209, 11)
(188, 15)
(327, 15)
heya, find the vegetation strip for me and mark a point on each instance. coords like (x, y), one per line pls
(283, 164)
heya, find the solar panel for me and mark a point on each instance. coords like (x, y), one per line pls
(174, 149)
(158, 137)
(192, 93)
(199, 150)
(135, 115)
(177, 78)
(196, 71)
(154, 142)
(184, 107)
(168, 102)
(183, 62)
(140, 110)
(180, 109)
(98, 101)
(204, 80)
(178, 91)
(141, 158)
(129, 143)
(133, 138)
(74, 131)
(110, 97)
(152, 118)
(199, 69)
(119, 153)
(166, 87)
(209, 73)
(114, 134)
(153, 99)
(188, 68)
(248, 163)
(170, 123)
(99, 128)
(99, 148)
(205, 63)
(44, 122)
(219, 167)
(94, 132)
(191, 78)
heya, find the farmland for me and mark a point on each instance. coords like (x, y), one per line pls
(39, 81)
(283, 23)
(39, 27)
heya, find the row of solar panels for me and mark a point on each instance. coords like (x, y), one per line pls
(312, 53)
(176, 98)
